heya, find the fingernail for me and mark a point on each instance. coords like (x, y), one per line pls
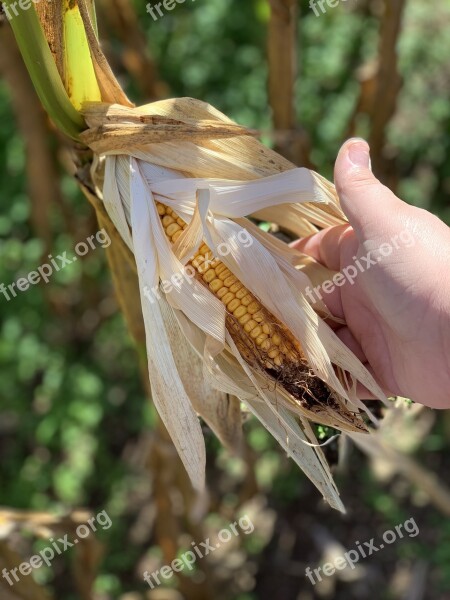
(359, 153)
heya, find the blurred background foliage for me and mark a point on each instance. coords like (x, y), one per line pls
(76, 427)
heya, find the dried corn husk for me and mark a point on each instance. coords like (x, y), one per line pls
(214, 174)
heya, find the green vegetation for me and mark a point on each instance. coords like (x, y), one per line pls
(72, 404)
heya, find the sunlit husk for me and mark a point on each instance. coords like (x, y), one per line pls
(214, 175)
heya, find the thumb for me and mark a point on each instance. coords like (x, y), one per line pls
(369, 205)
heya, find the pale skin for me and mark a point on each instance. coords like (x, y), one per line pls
(397, 312)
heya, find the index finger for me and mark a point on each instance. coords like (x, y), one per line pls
(326, 246)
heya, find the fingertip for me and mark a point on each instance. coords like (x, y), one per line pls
(361, 194)
(354, 155)
(357, 150)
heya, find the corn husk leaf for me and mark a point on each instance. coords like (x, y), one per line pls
(188, 156)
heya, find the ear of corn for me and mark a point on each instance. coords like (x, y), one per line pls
(258, 336)
(262, 340)
(262, 334)
(174, 198)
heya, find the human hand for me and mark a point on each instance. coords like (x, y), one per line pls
(397, 309)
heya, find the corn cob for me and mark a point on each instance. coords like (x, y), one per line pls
(262, 340)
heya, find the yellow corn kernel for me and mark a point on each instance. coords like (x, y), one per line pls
(245, 318)
(276, 339)
(221, 293)
(204, 267)
(232, 306)
(229, 281)
(246, 300)
(253, 307)
(220, 269)
(173, 227)
(209, 276)
(228, 298)
(167, 220)
(224, 274)
(250, 325)
(240, 311)
(236, 287)
(261, 338)
(215, 285)
(255, 332)
(198, 260)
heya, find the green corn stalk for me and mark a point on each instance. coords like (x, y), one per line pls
(62, 100)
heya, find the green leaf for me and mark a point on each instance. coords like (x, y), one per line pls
(39, 61)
